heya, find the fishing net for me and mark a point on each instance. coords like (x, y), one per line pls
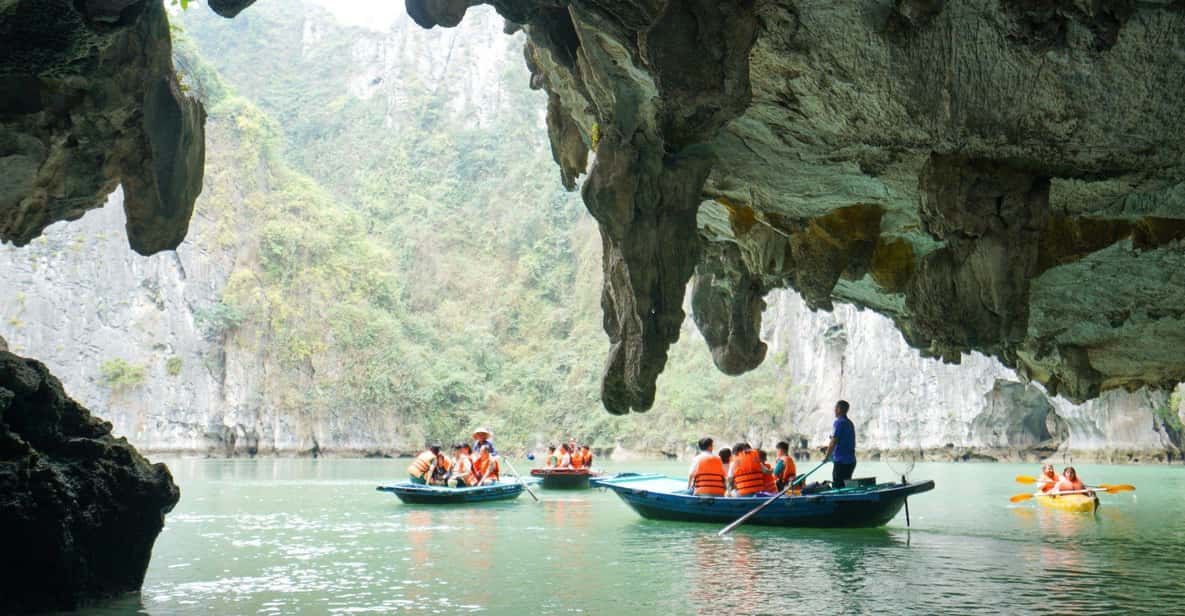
(903, 465)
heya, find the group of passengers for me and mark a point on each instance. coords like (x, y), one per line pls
(568, 456)
(740, 471)
(469, 466)
(1068, 482)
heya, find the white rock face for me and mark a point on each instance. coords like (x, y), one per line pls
(903, 401)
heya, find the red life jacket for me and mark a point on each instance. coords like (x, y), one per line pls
(747, 474)
(707, 478)
(771, 482)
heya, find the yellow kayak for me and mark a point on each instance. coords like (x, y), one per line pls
(1078, 503)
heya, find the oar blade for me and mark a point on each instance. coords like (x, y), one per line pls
(1025, 479)
(1123, 487)
(1020, 498)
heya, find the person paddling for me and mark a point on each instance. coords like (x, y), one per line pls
(1070, 482)
(421, 468)
(1048, 479)
(482, 437)
(842, 448)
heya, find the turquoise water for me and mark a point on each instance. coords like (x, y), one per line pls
(313, 537)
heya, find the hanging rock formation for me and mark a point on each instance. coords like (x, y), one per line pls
(1005, 177)
(80, 509)
(89, 100)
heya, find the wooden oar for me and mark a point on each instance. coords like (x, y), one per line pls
(520, 480)
(741, 520)
(1109, 490)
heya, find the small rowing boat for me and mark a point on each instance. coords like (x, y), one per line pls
(658, 497)
(564, 478)
(417, 494)
(1076, 503)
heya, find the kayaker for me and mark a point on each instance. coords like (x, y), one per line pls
(552, 458)
(1048, 479)
(486, 466)
(1070, 482)
(462, 472)
(748, 476)
(586, 456)
(422, 466)
(769, 480)
(482, 437)
(841, 451)
(706, 477)
(784, 469)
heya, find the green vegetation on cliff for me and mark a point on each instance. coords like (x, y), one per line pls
(413, 268)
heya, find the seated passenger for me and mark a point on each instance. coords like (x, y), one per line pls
(485, 466)
(552, 459)
(565, 457)
(461, 475)
(1048, 478)
(1069, 481)
(726, 460)
(784, 469)
(748, 477)
(440, 472)
(770, 482)
(421, 467)
(577, 458)
(706, 477)
(586, 456)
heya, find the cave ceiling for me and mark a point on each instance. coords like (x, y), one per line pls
(1001, 176)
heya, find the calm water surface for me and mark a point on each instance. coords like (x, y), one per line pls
(313, 537)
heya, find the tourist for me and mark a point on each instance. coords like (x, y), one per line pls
(726, 460)
(565, 456)
(784, 469)
(769, 481)
(703, 449)
(706, 477)
(420, 469)
(748, 477)
(577, 458)
(586, 456)
(462, 472)
(552, 459)
(841, 451)
(481, 438)
(486, 466)
(1070, 482)
(1048, 479)
(440, 471)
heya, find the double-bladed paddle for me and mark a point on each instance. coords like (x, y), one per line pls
(1109, 489)
(797, 481)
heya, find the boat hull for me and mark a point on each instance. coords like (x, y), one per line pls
(847, 508)
(415, 494)
(1075, 503)
(562, 479)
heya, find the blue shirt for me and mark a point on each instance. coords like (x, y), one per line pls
(845, 441)
(477, 447)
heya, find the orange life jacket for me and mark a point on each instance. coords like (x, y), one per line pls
(486, 468)
(420, 466)
(771, 482)
(1065, 485)
(707, 478)
(587, 459)
(577, 459)
(789, 470)
(747, 474)
(1047, 482)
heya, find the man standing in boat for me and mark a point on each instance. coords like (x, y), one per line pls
(842, 448)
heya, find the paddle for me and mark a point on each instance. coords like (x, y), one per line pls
(520, 480)
(1109, 490)
(741, 520)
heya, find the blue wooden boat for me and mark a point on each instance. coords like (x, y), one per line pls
(665, 498)
(412, 493)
